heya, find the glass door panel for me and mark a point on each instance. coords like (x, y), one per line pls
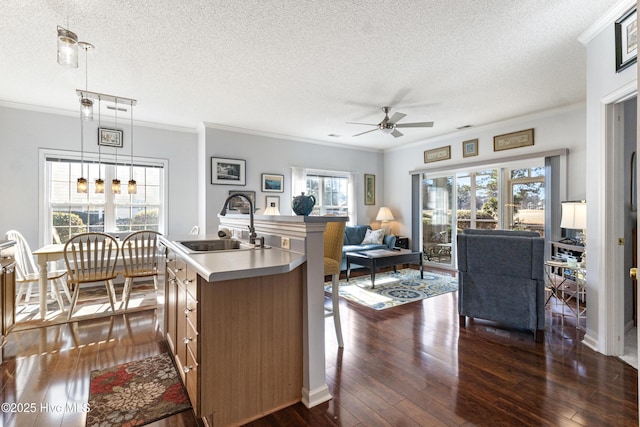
(524, 209)
(437, 219)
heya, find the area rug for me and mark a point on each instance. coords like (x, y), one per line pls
(136, 393)
(393, 289)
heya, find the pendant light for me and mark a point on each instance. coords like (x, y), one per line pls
(81, 185)
(67, 48)
(86, 110)
(99, 180)
(133, 186)
(115, 183)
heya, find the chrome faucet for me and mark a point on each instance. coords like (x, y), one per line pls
(252, 229)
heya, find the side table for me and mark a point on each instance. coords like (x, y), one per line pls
(565, 282)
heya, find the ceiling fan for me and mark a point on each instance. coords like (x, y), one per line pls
(390, 125)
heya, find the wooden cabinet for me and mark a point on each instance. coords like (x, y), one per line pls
(237, 343)
(7, 287)
(182, 329)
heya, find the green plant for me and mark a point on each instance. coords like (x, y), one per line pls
(65, 224)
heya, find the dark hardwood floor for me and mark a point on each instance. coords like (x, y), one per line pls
(407, 366)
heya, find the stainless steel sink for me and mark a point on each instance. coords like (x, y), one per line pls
(216, 245)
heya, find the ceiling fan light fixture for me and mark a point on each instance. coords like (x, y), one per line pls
(67, 48)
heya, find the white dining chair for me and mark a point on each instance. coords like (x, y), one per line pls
(27, 273)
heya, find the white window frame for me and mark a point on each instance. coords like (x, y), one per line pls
(45, 232)
(299, 180)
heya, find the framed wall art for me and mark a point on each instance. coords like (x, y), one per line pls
(272, 183)
(110, 137)
(240, 204)
(227, 171)
(470, 148)
(508, 141)
(437, 154)
(275, 200)
(369, 189)
(626, 29)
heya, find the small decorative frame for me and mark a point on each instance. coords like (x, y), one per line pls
(470, 148)
(272, 183)
(626, 29)
(437, 154)
(227, 171)
(508, 141)
(272, 199)
(369, 189)
(110, 137)
(240, 204)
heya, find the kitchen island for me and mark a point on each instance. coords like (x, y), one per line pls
(246, 327)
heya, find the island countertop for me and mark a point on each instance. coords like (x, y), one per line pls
(235, 264)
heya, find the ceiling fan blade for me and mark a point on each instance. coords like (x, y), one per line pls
(396, 133)
(367, 131)
(396, 117)
(357, 123)
(416, 125)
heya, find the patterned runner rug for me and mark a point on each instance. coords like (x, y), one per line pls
(136, 393)
(393, 289)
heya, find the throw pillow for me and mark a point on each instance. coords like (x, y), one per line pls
(373, 237)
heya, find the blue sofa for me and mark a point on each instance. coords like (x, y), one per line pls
(353, 237)
(501, 278)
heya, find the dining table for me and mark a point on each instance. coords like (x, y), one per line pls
(53, 252)
(46, 254)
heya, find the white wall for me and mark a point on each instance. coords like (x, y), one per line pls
(24, 132)
(265, 154)
(561, 128)
(604, 216)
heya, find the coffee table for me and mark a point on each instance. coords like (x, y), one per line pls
(383, 258)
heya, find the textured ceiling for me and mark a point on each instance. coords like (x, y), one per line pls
(302, 68)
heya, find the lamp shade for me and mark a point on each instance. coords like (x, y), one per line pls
(574, 215)
(67, 48)
(384, 214)
(272, 209)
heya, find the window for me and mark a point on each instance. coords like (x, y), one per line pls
(334, 191)
(331, 194)
(69, 212)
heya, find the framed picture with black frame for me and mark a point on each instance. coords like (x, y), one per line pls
(626, 31)
(228, 171)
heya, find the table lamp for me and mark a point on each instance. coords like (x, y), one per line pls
(385, 215)
(574, 217)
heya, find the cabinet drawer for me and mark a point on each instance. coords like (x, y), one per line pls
(180, 269)
(191, 282)
(191, 340)
(191, 311)
(190, 378)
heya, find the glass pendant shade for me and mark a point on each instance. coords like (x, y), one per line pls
(67, 48)
(86, 109)
(133, 186)
(99, 186)
(81, 186)
(115, 186)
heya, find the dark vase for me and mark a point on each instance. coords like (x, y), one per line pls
(303, 205)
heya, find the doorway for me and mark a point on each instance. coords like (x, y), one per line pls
(627, 112)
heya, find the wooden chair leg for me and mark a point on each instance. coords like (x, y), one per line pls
(74, 300)
(111, 292)
(538, 335)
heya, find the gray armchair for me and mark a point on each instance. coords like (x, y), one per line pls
(501, 278)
